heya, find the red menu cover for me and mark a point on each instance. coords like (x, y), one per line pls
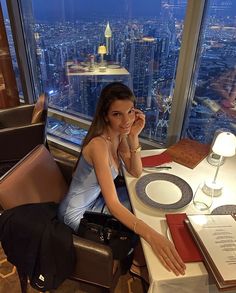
(156, 160)
(182, 238)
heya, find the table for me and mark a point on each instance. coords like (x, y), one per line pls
(196, 278)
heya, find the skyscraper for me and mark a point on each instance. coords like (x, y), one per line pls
(108, 35)
(140, 59)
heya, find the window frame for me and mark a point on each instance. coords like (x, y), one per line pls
(184, 87)
(21, 50)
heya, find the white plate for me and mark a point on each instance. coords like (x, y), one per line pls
(164, 191)
(168, 234)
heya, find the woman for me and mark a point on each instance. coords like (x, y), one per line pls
(112, 138)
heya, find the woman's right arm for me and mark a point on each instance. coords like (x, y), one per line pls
(161, 246)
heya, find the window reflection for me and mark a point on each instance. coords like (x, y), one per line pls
(66, 131)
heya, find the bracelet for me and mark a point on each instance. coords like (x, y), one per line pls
(138, 149)
(135, 224)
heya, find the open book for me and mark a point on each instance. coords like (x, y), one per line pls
(215, 235)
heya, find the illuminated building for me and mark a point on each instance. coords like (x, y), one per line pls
(141, 56)
(108, 35)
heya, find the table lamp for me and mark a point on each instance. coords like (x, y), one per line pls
(102, 51)
(224, 146)
(212, 158)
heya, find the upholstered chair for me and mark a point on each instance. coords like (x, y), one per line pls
(38, 178)
(21, 129)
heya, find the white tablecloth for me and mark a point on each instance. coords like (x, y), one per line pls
(196, 278)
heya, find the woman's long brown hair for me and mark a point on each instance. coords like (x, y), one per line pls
(110, 93)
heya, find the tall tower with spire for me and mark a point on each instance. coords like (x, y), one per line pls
(108, 35)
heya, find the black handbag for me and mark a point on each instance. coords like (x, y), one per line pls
(106, 229)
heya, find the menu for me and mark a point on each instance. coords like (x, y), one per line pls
(215, 235)
(188, 152)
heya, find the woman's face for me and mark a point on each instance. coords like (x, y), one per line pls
(121, 116)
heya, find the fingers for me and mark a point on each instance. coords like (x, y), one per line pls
(139, 122)
(139, 114)
(178, 259)
(172, 261)
(169, 257)
(137, 111)
(163, 260)
(172, 265)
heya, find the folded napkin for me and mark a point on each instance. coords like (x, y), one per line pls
(156, 160)
(182, 238)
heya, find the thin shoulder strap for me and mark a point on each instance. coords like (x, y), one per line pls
(109, 153)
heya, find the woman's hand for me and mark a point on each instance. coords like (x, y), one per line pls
(167, 254)
(138, 124)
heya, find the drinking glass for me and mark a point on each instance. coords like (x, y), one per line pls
(201, 200)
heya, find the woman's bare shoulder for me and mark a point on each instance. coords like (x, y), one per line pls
(98, 141)
(98, 144)
(96, 147)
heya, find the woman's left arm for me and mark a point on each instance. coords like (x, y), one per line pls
(129, 148)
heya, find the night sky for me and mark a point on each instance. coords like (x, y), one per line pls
(56, 9)
(76, 9)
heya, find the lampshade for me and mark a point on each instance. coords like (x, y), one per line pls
(225, 144)
(102, 49)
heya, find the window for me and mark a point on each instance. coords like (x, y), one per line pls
(76, 47)
(142, 43)
(214, 99)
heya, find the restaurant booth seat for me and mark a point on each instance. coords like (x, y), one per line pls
(21, 129)
(39, 178)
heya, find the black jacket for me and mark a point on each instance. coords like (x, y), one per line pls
(38, 244)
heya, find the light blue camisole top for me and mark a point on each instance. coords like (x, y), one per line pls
(82, 194)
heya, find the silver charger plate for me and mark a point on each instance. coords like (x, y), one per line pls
(164, 191)
(228, 209)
